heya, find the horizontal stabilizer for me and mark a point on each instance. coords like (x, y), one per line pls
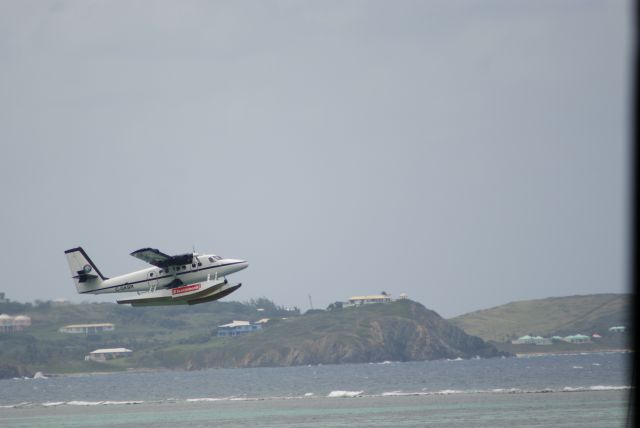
(84, 277)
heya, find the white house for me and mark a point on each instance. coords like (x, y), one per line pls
(17, 323)
(108, 354)
(237, 328)
(87, 328)
(578, 338)
(6, 323)
(531, 340)
(365, 300)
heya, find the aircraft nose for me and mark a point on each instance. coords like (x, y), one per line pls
(240, 264)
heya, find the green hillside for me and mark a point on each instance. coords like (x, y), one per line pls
(560, 316)
(186, 337)
(42, 347)
(398, 331)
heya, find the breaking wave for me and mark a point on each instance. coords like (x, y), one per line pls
(101, 403)
(607, 388)
(344, 394)
(332, 394)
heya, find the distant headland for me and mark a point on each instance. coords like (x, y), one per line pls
(94, 337)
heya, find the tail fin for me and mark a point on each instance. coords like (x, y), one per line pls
(84, 272)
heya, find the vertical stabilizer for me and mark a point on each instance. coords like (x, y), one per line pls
(84, 272)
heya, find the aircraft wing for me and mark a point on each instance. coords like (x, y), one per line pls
(160, 259)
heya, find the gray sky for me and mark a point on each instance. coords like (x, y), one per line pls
(466, 153)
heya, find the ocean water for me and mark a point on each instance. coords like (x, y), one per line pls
(580, 390)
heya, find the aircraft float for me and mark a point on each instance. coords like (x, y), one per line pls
(184, 279)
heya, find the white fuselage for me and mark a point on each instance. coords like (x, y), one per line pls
(201, 268)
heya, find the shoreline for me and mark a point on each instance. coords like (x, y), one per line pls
(131, 370)
(158, 370)
(573, 352)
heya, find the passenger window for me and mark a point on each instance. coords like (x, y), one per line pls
(151, 274)
(211, 259)
(193, 265)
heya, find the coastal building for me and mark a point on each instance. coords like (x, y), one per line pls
(3, 299)
(21, 322)
(10, 324)
(577, 338)
(87, 328)
(237, 328)
(617, 329)
(532, 340)
(108, 354)
(366, 300)
(6, 323)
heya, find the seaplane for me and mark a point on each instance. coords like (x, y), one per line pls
(184, 279)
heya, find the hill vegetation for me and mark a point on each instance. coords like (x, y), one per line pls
(185, 337)
(559, 316)
(398, 331)
(42, 347)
